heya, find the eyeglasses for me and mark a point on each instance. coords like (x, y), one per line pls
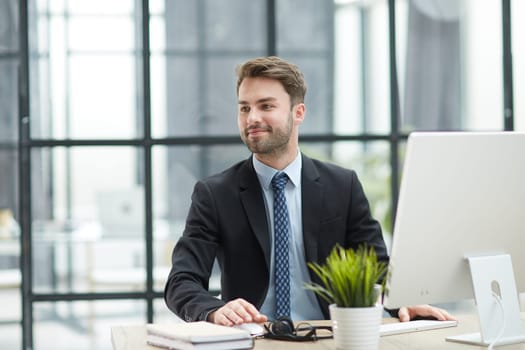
(283, 329)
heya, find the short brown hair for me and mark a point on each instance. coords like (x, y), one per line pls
(288, 74)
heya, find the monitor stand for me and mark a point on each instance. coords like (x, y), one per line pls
(497, 302)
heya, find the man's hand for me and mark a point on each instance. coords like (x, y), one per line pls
(407, 313)
(236, 312)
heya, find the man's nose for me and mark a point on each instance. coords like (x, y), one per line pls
(253, 116)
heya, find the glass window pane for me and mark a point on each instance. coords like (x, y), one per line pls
(192, 72)
(219, 113)
(89, 85)
(450, 75)
(183, 25)
(518, 54)
(159, 80)
(9, 164)
(307, 40)
(102, 100)
(157, 29)
(88, 219)
(239, 26)
(207, 104)
(101, 6)
(348, 94)
(8, 100)
(10, 276)
(199, 95)
(51, 6)
(304, 25)
(362, 75)
(157, 6)
(181, 86)
(105, 33)
(9, 26)
(318, 100)
(190, 26)
(483, 79)
(8, 78)
(83, 325)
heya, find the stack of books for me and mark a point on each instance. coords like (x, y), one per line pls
(197, 335)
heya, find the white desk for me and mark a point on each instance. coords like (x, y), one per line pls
(134, 338)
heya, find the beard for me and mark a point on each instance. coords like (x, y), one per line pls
(275, 140)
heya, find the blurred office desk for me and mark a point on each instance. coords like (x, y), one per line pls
(134, 338)
(10, 276)
(87, 257)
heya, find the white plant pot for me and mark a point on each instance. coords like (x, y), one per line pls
(356, 328)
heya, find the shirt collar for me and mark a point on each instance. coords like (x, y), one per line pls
(266, 173)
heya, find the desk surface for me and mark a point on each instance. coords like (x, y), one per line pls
(134, 338)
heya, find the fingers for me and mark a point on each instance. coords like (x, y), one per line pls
(403, 314)
(408, 313)
(442, 315)
(236, 312)
(431, 311)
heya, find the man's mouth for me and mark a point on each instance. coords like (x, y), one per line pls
(255, 131)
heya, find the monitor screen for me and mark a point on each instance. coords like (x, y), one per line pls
(462, 195)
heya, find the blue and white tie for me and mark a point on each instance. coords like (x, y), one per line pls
(281, 246)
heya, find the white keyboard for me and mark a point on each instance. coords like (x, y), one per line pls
(414, 326)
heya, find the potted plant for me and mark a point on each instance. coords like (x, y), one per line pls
(350, 283)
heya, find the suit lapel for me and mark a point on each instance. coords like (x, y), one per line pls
(312, 196)
(253, 202)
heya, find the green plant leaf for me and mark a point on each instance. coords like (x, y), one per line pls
(348, 277)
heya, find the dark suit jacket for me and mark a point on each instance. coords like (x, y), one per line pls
(227, 220)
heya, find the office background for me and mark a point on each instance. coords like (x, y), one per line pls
(111, 110)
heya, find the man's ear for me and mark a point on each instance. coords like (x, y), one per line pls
(299, 112)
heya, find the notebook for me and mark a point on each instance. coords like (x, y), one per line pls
(197, 335)
(165, 343)
(197, 332)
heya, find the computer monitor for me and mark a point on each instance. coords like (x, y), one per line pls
(459, 231)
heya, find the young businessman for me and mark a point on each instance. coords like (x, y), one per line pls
(231, 217)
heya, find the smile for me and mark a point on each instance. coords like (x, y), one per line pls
(256, 131)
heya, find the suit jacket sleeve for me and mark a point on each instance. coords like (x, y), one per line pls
(227, 222)
(186, 292)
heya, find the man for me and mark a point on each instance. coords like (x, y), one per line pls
(231, 217)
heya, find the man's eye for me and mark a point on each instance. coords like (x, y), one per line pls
(245, 109)
(267, 107)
